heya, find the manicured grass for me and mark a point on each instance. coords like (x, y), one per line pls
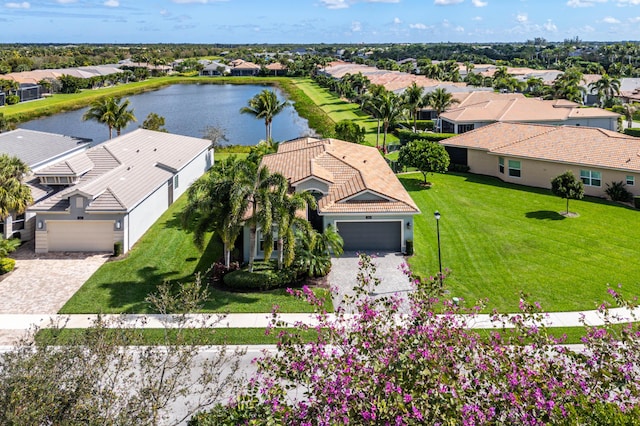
(500, 239)
(167, 253)
(339, 109)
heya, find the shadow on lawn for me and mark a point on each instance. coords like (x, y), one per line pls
(544, 215)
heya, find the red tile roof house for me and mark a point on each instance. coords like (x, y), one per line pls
(356, 190)
(533, 154)
(116, 190)
(525, 110)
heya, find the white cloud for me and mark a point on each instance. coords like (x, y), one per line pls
(447, 2)
(550, 26)
(522, 18)
(446, 23)
(23, 5)
(66, 1)
(584, 3)
(356, 26)
(335, 4)
(628, 2)
(164, 12)
(418, 26)
(459, 29)
(112, 3)
(197, 1)
(479, 3)
(397, 20)
(477, 18)
(634, 20)
(610, 20)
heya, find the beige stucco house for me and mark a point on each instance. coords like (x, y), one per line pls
(356, 190)
(533, 154)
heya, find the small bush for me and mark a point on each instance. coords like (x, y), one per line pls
(12, 99)
(617, 192)
(461, 168)
(261, 279)
(406, 136)
(636, 202)
(632, 131)
(409, 247)
(219, 270)
(6, 265)
(420, 124)
(117, 248)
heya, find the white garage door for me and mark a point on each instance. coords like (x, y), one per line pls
(80, 235)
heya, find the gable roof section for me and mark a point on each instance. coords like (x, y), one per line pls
(585, 146)
(349, 168)
(522, 110)
(126, 170)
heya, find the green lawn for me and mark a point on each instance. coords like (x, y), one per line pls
(339, 109)
(499, 239)
(166, 252)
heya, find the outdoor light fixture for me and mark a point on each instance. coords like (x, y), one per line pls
(408, 225)
(40, 224)
(437, 216)
(118, 224)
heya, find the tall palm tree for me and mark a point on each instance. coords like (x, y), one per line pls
(371, 103)
(440, 100)
(606, 88)
(391, 108)
(265, 105)
(629, 110)
(122, 115)
(567, 86)
(103, 111)
(15, 195)
(413, 99)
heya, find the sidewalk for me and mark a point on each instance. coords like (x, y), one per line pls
(17, 322)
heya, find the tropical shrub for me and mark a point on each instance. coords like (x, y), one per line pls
(406, 136)
(264, 277)
(347, 130)
(313, 254)
(8, 246)
(617, 192)
(7, 264)
(12, 99)
(117, 248)
(393, 361)
(219, 270)
(632, 131)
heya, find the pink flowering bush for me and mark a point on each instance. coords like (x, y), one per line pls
(382, 366)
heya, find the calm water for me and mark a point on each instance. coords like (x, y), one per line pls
(188, 109)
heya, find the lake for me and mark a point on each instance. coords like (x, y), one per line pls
(188, 109)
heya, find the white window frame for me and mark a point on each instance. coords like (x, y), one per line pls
(176, 181)
(79, 203)
(588, 177)
(501, 165)
(513, 168)
(631, 180)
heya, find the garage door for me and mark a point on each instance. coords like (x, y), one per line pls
(371, 236)
(80, 235)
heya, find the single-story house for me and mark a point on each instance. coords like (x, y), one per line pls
(241, 68)
(215, 68)
(356, 191)
(115, 191)
(533, 154)
(525, 110)
(37, 150)
(464, 96)
(276, 69)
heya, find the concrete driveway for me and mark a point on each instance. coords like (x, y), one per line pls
(344, 271)
(42, 283)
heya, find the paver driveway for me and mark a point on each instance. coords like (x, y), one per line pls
(344, 271)
(42, 283)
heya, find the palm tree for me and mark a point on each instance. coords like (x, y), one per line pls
(567, 86)
(606, 88)
(122, 115)
(413, 99)
(285, 215)
(103, 111)
(15, 195)
(371, 103)
(440, 100)
(390, 108)
(265, 105)
(629, 110)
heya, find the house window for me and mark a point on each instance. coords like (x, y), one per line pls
(79, 202)
(175, 181)
(591, 178)
(514, 168)
(261, 241)
(631, 180)
(501, 164)
(463, 128)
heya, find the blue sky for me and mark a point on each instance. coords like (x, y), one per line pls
(315, 21)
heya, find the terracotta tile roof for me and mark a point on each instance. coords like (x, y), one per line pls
(127, 169)
(522, 110)
(587, 146)
(350, 169)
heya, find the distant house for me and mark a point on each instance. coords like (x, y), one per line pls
(115, 191)
(29, 92)
(241, 68)
(37, 150)
(533, 154)
(356, 191)
(525, 110)
(215, 68)
(276, 69)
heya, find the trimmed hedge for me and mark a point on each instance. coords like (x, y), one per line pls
(6, 265)
(406, 136)
(261, 279)
(420, 124)
(632, 131)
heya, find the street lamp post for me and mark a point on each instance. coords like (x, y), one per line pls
(437, 216)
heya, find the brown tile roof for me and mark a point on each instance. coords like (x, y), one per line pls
(127, 169)
(522, 110)
(587, 146)
(350, 169)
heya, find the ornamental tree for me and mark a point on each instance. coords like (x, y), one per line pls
(567, 186)
(426, 156)
(394, 361)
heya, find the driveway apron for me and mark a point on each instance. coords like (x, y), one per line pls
(344, 271)
(42, 283)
